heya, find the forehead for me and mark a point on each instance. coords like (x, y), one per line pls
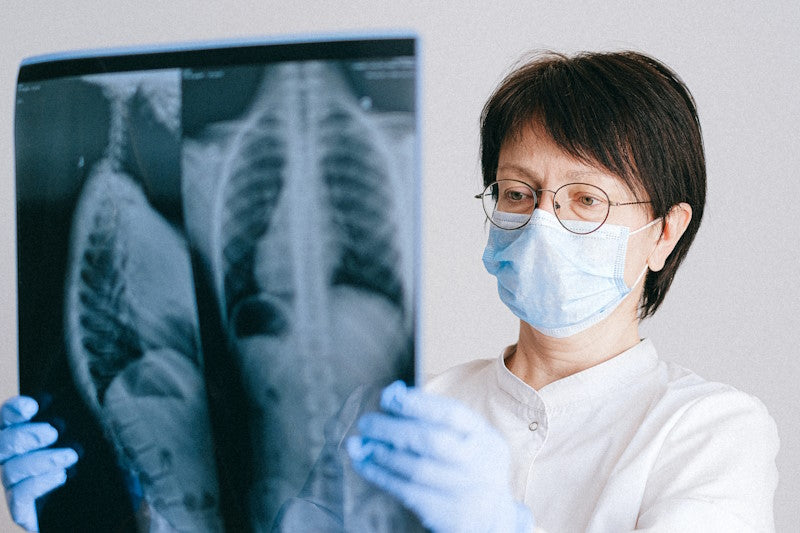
(532, 156)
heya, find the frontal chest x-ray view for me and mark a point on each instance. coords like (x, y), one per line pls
(216, 267)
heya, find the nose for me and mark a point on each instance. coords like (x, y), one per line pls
(546, 203)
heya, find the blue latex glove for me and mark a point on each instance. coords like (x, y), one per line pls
(29, 468)
(443, 461)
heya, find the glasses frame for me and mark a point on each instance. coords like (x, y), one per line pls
(536, 197)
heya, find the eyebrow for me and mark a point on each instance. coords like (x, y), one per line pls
(578, 175)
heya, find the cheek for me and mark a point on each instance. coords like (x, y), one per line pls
(639, 249)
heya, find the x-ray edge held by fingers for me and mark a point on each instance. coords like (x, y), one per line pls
(226, 239)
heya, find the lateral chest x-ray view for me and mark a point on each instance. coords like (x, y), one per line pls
(216, 260)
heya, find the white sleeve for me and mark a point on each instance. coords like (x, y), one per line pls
(716, 470)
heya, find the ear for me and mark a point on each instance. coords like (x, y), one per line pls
(675, 223)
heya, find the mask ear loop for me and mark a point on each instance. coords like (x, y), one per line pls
(644, 270)
(644, 227)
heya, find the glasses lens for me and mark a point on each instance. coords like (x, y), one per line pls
(508, 203)
(580, 207)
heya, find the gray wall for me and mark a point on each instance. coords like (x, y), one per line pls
(732, 312)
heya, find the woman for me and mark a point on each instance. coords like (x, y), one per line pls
(594, 180)
(595, 186)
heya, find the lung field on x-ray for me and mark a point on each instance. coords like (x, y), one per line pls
(297, 212)
(254, 187)
(356, 177)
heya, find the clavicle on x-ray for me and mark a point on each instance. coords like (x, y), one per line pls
(221, 309)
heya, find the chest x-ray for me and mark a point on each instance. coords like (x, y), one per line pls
(216, 256)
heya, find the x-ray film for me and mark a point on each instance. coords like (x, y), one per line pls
(217, 250)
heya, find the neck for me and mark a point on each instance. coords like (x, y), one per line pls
(539, 360)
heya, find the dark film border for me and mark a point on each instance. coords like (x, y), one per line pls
(213, 56)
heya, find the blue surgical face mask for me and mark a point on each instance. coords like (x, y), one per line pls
(559, 282)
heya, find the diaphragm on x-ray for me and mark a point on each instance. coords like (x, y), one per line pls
(239, 281)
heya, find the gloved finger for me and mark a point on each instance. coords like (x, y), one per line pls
(413, 403)
(420, 470)
(37, 463)
(412, 435)
(22, 497)
(24, 438)
(412, 495)
(17, 410)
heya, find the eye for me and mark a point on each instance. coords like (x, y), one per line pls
(513, 197)
(588, 201)
(517, 195)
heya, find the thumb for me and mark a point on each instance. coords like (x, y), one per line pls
(17, 410)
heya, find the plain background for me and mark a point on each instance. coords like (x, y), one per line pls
(732, 313)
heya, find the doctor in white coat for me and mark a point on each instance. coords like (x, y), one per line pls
(595, 182)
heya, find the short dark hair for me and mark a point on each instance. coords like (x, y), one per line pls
(622, 111)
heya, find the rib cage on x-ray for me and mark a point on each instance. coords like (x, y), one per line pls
(307, 112)
(133, 347)
(303, 249)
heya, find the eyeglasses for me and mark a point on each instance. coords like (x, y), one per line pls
(580, 207)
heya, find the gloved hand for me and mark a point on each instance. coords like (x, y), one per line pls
(29, 468)
(444, 462)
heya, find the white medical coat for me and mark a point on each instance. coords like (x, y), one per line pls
(633, 443)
